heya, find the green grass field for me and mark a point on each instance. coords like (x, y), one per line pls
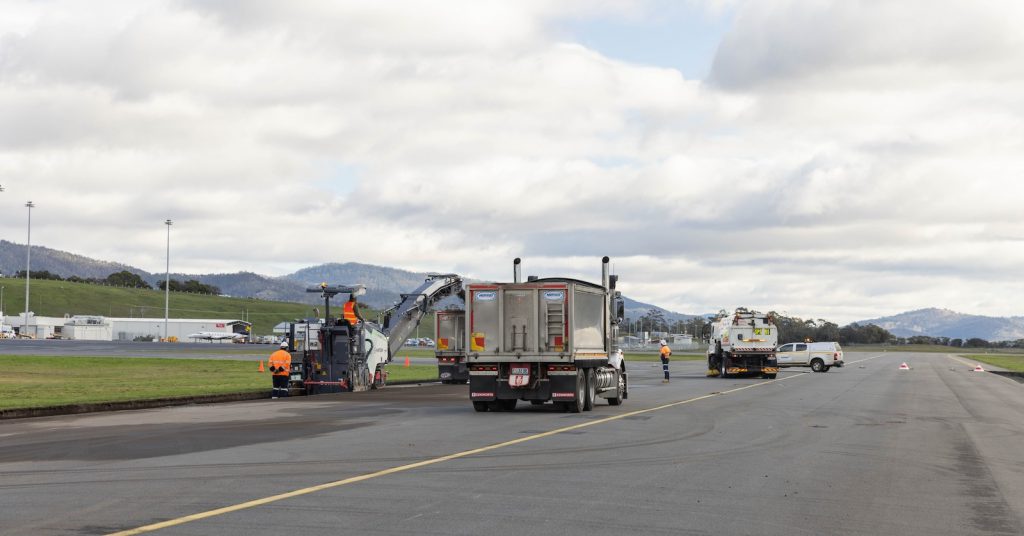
(40, 381)
(397, 372)
(59, 298)
(1008, 362)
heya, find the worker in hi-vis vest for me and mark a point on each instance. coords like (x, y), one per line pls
(280, 362)
(351, 312)
(665, 353)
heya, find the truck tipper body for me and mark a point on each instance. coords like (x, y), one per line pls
(550, 339)
(742, 342)
(450, 345)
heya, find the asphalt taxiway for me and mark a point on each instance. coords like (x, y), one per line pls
(866, 449)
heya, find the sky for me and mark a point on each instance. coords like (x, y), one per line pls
(842, 159)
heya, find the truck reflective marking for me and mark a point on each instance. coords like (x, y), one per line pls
(477, 342)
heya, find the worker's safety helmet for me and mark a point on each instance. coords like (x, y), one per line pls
(284, 344)
(662, 342)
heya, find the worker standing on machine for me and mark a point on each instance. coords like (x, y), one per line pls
(351, 313)
(280, 362)
(665, 353)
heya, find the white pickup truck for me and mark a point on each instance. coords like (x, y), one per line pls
(820, 356)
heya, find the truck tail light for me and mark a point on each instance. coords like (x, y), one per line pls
(835, 356)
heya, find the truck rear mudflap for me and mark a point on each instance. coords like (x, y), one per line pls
(452, 370)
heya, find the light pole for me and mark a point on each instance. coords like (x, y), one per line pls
(28, 262)
(2, 300)
(167, 281)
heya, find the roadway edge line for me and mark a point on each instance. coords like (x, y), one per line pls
(402, 468)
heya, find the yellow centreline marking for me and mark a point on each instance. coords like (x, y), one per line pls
(321, 487)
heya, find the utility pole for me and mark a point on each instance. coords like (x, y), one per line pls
(28, 263)
(167, 281)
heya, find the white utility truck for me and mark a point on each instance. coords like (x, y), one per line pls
(546, 339)
(742, 342)
(820, 356)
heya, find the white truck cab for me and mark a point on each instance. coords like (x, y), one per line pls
(820, 356)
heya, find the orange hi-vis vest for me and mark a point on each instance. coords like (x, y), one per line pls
(349, 313)
(280, 362)
(666, 351)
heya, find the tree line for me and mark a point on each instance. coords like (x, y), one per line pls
(124, 278)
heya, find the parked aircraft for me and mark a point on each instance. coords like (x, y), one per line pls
(216, 336)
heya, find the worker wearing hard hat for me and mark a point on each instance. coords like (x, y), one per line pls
(350, 313)
(665, 352)
(280, 362)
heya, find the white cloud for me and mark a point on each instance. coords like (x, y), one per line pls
(845, 159)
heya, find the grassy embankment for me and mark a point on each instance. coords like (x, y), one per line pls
(59, 298)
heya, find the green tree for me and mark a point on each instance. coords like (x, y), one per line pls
(124, 278)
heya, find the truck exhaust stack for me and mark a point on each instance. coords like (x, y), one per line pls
(605, 274)
(517, 271)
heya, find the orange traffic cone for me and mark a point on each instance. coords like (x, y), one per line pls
(904, 366)
(261, 366)
(978, 368)
(407, 362)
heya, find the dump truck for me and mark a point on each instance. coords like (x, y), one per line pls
(742, 342)
(545, 340)
(450, 345)
(349, 353)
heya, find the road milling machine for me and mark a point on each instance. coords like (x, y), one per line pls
(349, 353)
(742, 342)
(551, 339)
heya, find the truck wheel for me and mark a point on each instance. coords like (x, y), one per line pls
(576, 406)
(588, 402)
(480, 406)
(619, 389)
(721, 369)
(817, 365)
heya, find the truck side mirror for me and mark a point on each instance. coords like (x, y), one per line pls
(620, 310)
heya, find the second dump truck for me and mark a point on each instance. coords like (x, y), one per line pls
(450, 345)
(544, 340)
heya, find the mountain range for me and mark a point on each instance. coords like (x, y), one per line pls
(945, 323)
(385, 285)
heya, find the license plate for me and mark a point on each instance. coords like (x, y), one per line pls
(519, 377)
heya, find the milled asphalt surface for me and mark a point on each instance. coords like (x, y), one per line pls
(866, 449)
